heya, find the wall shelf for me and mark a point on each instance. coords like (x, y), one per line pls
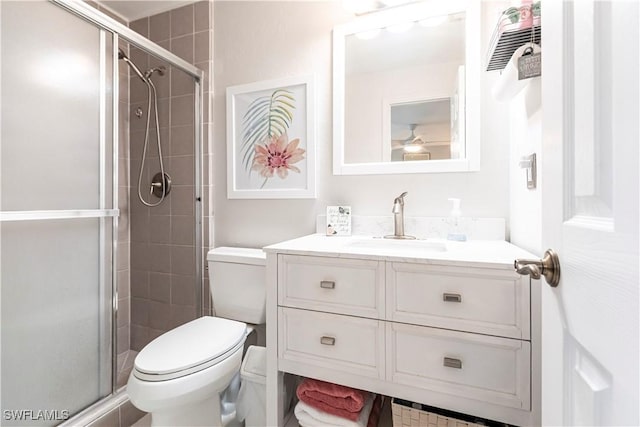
(509, 36)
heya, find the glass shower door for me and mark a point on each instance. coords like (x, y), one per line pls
(56, 213)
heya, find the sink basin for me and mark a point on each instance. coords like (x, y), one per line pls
(399, 245)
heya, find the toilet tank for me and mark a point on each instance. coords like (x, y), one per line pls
(237, 282)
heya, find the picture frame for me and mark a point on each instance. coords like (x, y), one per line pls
(271, 139)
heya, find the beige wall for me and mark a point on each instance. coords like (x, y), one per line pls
(257, 41)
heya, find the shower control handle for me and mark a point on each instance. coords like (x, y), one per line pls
(155, 185)
(160, 186)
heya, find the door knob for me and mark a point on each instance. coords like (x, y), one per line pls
(548, 266)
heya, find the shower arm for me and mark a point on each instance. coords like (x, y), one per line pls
(125, 58)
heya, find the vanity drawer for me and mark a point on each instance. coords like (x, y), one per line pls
(334, 285)
(486, 301)
(490, 369)
(351, 344)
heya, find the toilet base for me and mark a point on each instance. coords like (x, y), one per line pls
(193, 400)
(196, 414)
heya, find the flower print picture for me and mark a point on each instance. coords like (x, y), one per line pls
(265, 142)
(277, 156)
(270, 139)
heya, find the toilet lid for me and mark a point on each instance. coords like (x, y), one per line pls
(191, 347)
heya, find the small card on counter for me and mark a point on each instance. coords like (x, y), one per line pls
(338, 220)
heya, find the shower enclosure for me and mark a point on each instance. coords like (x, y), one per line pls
(68, 242)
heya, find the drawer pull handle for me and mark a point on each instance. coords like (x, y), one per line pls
(452, 297)
(450, 362)
(328, 341)
(326, 284)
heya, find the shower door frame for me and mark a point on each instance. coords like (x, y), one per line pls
(120, 31)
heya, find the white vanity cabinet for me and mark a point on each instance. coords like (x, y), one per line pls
(451, 330)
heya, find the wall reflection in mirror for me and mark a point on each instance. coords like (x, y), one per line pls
(404, 91)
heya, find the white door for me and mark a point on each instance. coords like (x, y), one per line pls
(589, 179)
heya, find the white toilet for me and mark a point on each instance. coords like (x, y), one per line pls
(179, 376)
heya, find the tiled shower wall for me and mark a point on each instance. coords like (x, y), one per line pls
(163, 283)
(154, 297)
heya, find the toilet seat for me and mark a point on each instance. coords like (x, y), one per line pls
(189, 348)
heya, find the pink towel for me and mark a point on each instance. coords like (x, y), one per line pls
(334, 399)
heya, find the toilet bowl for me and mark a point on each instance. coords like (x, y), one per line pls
(180, 376)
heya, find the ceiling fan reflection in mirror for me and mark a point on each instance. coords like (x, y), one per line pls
(414, 143)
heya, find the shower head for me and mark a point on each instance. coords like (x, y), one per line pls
(125, 58)
(161, 70)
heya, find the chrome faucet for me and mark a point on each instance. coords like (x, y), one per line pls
(398, 219)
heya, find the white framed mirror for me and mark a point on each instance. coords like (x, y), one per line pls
(406, 90)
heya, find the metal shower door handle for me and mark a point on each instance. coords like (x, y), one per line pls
(548, 266)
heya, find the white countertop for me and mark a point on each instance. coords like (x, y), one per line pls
(473, 253)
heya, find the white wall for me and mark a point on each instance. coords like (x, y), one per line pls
(524, 127)
(525, 138)
(257, 41)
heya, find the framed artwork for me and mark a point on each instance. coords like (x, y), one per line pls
(271, 139)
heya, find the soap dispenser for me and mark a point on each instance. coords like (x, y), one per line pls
(455, 230)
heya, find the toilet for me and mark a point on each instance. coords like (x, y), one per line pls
(189, 376)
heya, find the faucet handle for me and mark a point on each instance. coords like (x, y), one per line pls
(398, 203)
(400, 198)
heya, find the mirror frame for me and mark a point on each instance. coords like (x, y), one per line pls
(472, 90)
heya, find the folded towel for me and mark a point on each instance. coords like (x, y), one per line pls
(332, 398)
(308, 416)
